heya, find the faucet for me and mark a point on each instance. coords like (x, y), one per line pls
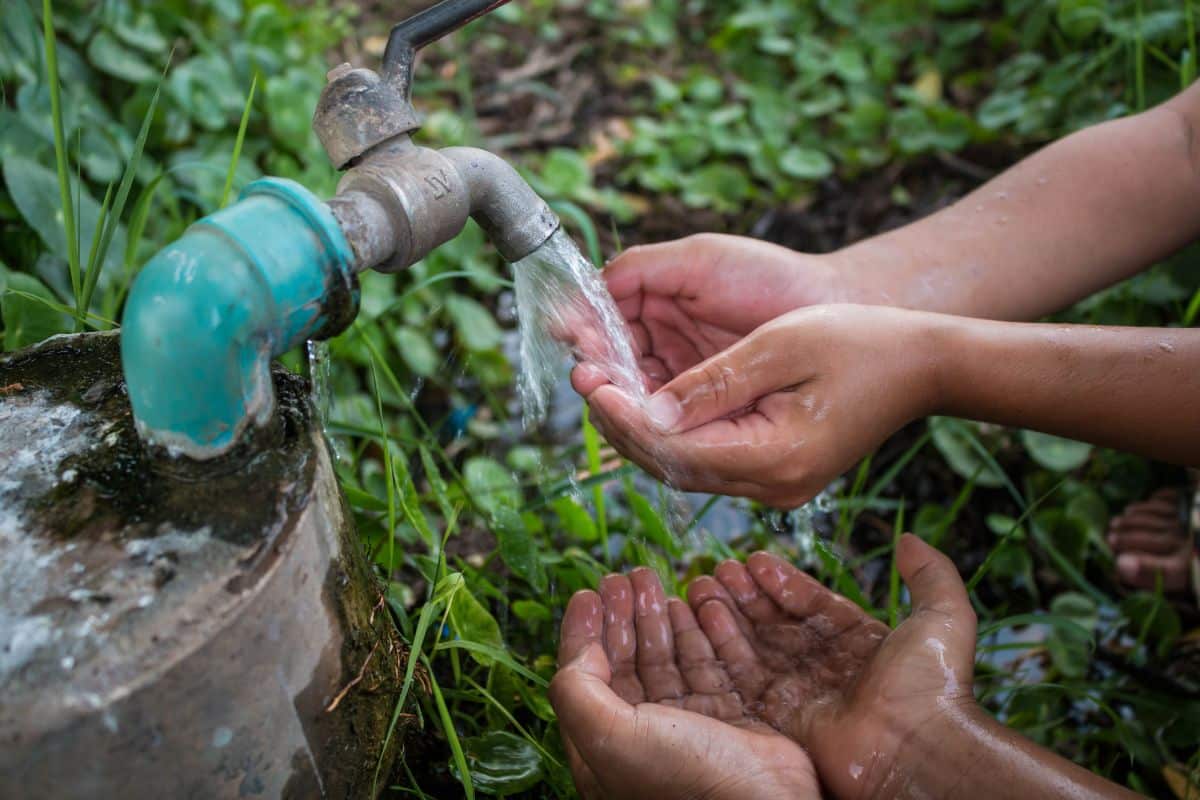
(209, 312)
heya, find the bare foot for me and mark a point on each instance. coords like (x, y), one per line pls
(1150, 540)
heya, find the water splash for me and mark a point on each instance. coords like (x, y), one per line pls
(563, 307)
(318, 377)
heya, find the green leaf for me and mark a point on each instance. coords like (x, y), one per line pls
(531, 611)
(26, 320)
(806, 163)
(718, 185)
(35, 192)
(518, 548)
(501, 763)
(1070, 650)
(575, 520)
(477, 329)
(110, 56)
(566, 172)
(471, 622)
(1055, 453)
(952, 440)
(417, 351)
(492, 486)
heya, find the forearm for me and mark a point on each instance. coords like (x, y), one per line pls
(973, 755)
(1079, 215)
(1135, 389)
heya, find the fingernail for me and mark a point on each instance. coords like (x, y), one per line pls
(1127, 566)
(664, 411)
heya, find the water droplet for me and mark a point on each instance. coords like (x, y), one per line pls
(1042, 180)
(1166, 347)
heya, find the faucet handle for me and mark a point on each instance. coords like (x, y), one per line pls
(428, 26)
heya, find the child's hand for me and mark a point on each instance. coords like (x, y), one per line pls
(818, 668)
(783, 411)
(688, 299)
(646, 710)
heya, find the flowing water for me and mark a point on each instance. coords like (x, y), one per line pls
(564, 308)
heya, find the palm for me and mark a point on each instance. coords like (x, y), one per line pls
(822, 671)
(674, 726)
(687, 300)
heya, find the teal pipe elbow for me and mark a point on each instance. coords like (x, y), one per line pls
(209, 312)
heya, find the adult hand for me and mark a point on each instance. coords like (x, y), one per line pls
(783, 411)
(687, 299)
(647, 711)
(818, 668)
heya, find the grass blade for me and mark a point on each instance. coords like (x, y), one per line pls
(60, 148)
(237, 144)
(108, 224)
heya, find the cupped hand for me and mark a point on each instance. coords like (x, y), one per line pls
(821, 670)
(687, 299)
(647, 711)
(783, 411)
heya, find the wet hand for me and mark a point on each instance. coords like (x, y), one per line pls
(819, 669)
(647, 711)
(687, 299)
(783, 411)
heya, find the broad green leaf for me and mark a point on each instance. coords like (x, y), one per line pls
(1071, 649)
(110, 56)
(26, 319)
(566, 172)
(531, 611)
(472, 622)
(518, 548)
(476, 327)
(34, 191)
(806, 163)
(417, 351)
(491, 484)
(575, 520)
(501, 763)
(1054, 452)
(953, 441)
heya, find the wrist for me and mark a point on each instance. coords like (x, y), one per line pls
(858, 277)
(935, 756)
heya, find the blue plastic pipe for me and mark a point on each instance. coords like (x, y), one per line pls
(209, 312)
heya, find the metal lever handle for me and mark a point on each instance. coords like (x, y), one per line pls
(433, 23)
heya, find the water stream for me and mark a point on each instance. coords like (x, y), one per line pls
(564, 308)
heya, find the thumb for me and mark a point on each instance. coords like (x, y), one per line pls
(585, 703)
(723, 384)
(934, 583)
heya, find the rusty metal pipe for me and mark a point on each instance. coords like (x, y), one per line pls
(401, 201)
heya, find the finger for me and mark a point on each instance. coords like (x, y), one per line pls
(661, 268)
(800, 596)
(750, 600)
(656, 667)
(587, 378)
(1144, 571)
(705, 588)
(726, 383)
(582, 625)
(1146, 542)
(732, 647)
(709, 459)
(588, 709)
(697, 660)
(934, 583)
(620, 637)
(1153, 519)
